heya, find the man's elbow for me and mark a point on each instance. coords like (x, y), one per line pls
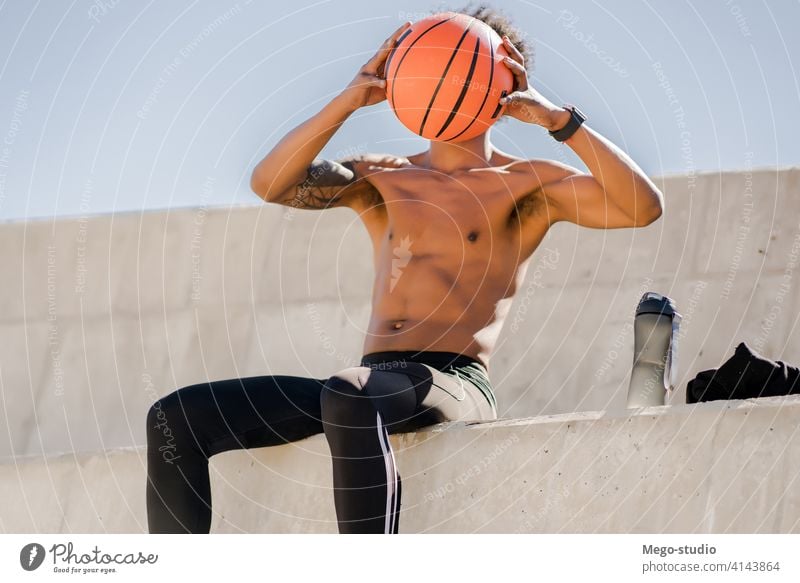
(651, 212)
(260, 187)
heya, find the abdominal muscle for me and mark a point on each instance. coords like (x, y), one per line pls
(424, 306)
(446, 263)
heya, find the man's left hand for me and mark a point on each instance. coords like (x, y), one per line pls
(525, 103)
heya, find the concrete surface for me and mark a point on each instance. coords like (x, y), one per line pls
(101, 315)
(719, 467)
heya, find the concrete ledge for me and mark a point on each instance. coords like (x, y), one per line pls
(717, 467)
(108, 313)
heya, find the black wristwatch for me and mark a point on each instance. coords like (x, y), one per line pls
(576, 118)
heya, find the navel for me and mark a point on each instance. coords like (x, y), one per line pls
(397, 324)
(473, 236)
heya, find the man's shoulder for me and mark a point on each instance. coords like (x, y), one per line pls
(366, 163)
(543, 169)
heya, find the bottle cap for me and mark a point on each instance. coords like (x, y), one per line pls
(654, 303)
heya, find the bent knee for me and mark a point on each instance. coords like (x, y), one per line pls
(167, 414)
(355, 377)
(343, 400)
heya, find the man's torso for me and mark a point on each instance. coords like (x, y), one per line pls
(450, 250)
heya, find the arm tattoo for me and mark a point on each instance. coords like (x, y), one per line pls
(319, 188)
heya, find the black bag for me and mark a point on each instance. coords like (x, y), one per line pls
(745, 375)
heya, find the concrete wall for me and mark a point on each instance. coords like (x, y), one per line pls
(721, 467)
(101, 315)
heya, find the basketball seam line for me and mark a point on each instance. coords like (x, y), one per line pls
(488, 89)
(403, 58)
(444, 74)
(394, 48)
(463, 94)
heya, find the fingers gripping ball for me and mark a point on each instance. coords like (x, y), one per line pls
(445, 76)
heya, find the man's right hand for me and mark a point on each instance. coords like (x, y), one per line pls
(368, 87)
(291, 173)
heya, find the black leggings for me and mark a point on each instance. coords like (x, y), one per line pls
(357, 408)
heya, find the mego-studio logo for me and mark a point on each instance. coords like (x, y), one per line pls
(31, 556)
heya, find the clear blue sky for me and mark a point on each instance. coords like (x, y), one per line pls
(117, 105)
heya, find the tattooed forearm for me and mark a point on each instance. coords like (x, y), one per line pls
(323, 186)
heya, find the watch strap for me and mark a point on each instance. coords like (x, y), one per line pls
(576, 118)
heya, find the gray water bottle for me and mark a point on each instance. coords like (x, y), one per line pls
(655, 330)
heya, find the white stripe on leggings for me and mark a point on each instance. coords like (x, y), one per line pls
(395, 491)
(391, 476)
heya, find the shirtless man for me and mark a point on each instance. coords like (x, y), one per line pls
(469, 216)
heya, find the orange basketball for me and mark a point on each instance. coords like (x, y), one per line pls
(445, 77)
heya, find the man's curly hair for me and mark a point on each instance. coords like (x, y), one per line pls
(502, 25)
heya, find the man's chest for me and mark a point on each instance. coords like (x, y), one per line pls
(463, 215)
